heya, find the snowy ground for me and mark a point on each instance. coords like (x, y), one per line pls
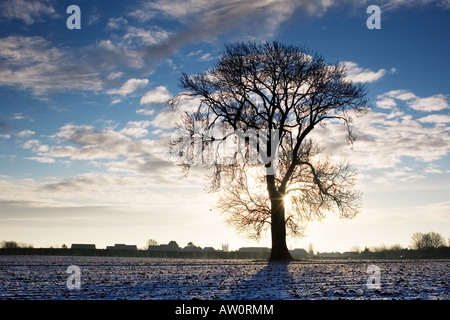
(46, 277)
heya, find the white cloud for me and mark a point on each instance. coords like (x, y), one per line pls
(168, 118)
(107, 45)
(25, 133)
(358, 74)
(136, 129)
(434, 103)
(195, 53)
(386, 103)
(158, 95)
(384, 140)
(42, 159)
(115, 101)
(403, 95)
(118, 150)
(5, 136)
(17, 116)
(27, 51)
(31, 144)
(145, 112)
(42, 149)
(116, 23)
(115, 75)
(89, 136)
(433, 169)
(141, 36)
(206, 57)
(127, 43)
(399, 176)
(129, 87)
(435, 118)
(88, 143)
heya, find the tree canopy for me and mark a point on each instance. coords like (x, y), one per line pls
(256, 109)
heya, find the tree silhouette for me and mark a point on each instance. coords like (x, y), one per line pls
(430, 240)
(261, 101)
(151, 242)
(9, 244)
(173, 244)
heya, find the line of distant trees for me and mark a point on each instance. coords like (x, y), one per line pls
(419, 241)
(430, 240)
(14, 245)
(423, 245)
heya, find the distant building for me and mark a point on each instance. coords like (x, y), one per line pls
(254, 249)
(225, 247)
(164, 247)
(120, 246)
(82, 246)
(329, 254)
(350, 254)
(299, 253)
(192, 248)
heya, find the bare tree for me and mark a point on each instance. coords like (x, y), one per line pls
(14, 245)
(430, 240)
(151, 242)
(271, 96)
(9, 244)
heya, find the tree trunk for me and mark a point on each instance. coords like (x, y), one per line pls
(278, 227)
(278, 223)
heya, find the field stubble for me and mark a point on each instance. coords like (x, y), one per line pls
(46, 277)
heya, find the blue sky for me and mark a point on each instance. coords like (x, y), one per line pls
(84, 130)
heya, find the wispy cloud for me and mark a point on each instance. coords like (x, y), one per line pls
(29, 11)
(125, 46)
(32, 63)
(109, 144)
(206, 20)
(384, 139)
(395, 4)
(25, 133)
(206, 57)
(5, 136)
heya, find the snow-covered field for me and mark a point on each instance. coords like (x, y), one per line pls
(46, 277)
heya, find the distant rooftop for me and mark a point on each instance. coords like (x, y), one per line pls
(121, 246)
(254, 249)
(82, 246)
